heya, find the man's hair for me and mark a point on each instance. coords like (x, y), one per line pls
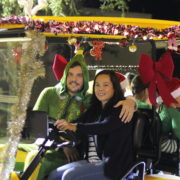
(75, 64)
(137, 85)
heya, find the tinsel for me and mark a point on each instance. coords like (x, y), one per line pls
(29, 69)
(14, 20)
(91, 27)
(100, 27)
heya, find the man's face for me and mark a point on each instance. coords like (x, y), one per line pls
(74, 80)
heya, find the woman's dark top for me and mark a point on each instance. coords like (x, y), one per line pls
(113, 139)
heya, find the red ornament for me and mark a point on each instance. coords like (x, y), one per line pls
(172, 44)
(97, 50)
(46, 46)
(17, 53)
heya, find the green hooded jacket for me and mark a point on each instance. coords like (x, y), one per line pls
(58, 103)
(170, 118)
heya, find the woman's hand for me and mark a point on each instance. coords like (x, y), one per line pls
(128, 108)
(64, 125)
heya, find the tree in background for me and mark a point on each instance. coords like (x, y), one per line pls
(60, 7)
(9, 8)
(55, 8)
(64, 7)
(115, 4)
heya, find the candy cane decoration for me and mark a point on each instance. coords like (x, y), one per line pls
(28, 6)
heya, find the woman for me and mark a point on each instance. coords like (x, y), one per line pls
(113, 138)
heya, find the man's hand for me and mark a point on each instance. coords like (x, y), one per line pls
(128, 108)
(71, 154)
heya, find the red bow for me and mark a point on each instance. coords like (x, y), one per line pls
(155, 74)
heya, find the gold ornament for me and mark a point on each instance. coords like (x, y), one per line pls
(133, 48)
(72, 40)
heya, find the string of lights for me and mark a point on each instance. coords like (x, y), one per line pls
(122, 68)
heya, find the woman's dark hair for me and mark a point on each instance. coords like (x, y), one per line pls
(118, 92)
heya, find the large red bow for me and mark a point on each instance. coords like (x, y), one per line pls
(155, 74)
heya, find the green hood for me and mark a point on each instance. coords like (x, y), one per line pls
(61, 86)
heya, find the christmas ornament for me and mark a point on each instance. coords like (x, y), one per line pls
(172, 44)
(72, 40)
(123, 42)
(17, 53)
(46, 46)
(97, 49)
(133, 48)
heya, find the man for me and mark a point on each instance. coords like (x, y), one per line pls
(67, 100)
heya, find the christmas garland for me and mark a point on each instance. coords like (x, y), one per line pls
(83, 28)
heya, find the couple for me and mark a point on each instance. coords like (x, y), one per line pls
(112, 137)
(68, 100)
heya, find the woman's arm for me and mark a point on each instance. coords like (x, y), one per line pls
(107, 125)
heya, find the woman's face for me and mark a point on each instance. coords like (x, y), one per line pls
(103, 88)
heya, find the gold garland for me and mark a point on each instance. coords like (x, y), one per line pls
(29, 69)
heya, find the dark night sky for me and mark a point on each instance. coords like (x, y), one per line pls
(160, 9)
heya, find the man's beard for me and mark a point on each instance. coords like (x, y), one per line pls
(75, 91)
